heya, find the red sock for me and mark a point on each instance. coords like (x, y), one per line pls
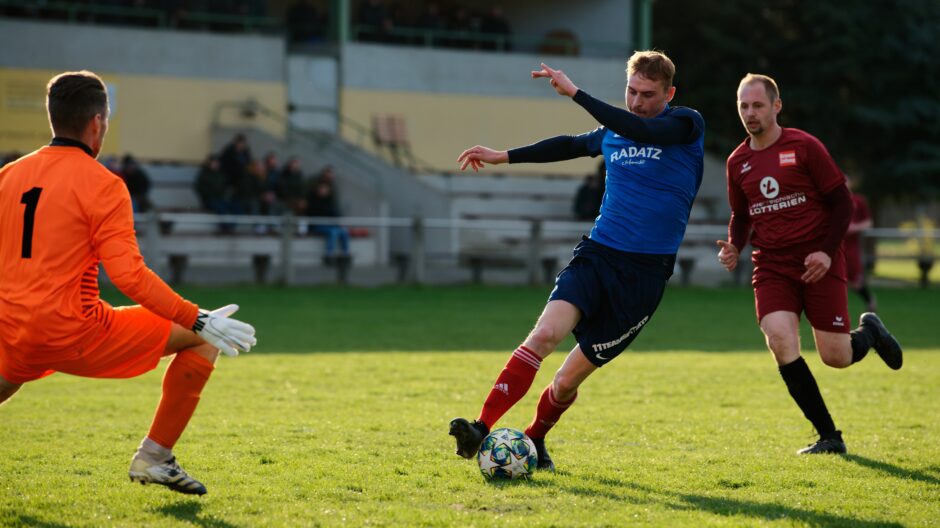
(548, 413)
(511, 385)
(182, 385)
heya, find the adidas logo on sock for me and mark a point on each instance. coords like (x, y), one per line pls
(502, 387)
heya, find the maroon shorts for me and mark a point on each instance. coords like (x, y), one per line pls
(777, 287)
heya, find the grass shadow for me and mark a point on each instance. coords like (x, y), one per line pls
(770, 511)
(189, 511)
(891, 469)
(724, 506)
(29, 520)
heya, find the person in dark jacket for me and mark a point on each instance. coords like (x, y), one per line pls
(323, 203)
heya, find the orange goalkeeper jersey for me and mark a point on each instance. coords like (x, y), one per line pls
(61, 213)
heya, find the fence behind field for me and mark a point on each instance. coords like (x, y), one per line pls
(192, 247)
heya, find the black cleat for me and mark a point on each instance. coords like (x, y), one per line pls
(469, 435)
(545, 460)
(829, 445)
(885, 344)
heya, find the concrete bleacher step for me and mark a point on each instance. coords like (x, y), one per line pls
(499, 207)
(504, 185)
(172, 187)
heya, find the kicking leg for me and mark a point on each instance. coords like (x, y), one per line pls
(557, 397)
(558, 319)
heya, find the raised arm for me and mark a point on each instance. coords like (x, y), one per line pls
(668, 130)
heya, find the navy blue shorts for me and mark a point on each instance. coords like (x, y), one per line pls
(617, 293)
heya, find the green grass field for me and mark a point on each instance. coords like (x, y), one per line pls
(340, 418)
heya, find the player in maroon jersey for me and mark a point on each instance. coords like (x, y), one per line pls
(854, 264)
(791, 202)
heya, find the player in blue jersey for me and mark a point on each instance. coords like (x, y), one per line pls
(607, 293)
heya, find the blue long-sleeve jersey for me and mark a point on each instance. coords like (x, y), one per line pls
(654, 170)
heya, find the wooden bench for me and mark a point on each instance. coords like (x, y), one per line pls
(477, 261)
(259, 252)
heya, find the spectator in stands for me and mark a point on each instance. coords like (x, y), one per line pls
(234, 160)
(138, 184)
(466, 26)
(211, 186)
(249, 189)
(270, 205)
(112, 164)
(431, 20)
(375, 21)
(9, 158)
(214, 192)
(323, 203)
(587, 201)
(291, 187)
(305, 24)
(495, 25)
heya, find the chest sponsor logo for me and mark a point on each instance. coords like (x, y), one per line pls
(779, 203)
(635, 155)
(769, 187)
(788, 158)
(746, 167)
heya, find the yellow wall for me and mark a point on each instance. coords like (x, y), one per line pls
(441, 126)
(155, 118)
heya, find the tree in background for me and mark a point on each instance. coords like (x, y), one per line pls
(864, 77)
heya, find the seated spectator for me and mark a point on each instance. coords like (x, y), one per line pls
(112, 164)
(304, 23)
(375, 21)
(249, 189)
(10, 158)
(431, 20)
(270, 205)
(138, 184)
(290, 187)
(464, 28)
(214, 192)
(234, 159)
(323, 203)
(587, 201)
(212, 187)
(496, 26)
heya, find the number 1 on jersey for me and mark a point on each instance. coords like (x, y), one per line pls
(31, 199)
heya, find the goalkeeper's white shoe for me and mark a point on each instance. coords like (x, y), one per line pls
(167, 473)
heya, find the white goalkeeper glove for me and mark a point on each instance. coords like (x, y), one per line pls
(228, 335)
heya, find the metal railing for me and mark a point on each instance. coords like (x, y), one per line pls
(141, 16)
(476, 41)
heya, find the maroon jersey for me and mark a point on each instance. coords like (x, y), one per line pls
(861, 214)
(779, 189)
(853, 242)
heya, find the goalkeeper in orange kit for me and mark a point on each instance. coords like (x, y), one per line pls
(61, 214)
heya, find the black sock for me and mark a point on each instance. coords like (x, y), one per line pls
(805, 393)
(865, 294)
(862, 339)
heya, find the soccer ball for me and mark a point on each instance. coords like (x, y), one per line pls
(507, 454)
